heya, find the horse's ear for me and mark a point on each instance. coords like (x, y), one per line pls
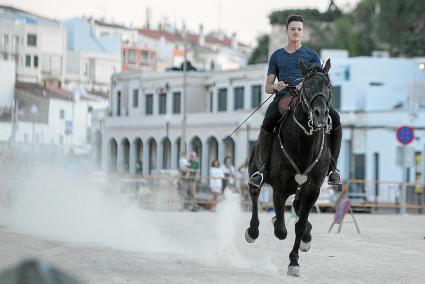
(303, 68)
(327, 66)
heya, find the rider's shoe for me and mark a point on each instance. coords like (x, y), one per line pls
(263, 153)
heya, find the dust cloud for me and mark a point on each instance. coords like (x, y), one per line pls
(54, 203)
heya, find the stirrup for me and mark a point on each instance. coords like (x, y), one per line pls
(253, 176)
(337, 180)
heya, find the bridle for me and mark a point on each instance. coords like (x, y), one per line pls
(306, 105)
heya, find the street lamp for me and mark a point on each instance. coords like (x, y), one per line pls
(34, 111)
(184, 117)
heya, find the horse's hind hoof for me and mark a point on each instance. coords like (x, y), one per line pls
(248, 238)
(294, 271)
(305, 246)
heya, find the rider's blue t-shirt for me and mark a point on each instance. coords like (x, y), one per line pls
(286, 66)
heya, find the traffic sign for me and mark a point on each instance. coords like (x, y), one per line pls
(405, 134)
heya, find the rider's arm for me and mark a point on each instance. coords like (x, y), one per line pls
(273, 69)
(270, 84)
(274, 88)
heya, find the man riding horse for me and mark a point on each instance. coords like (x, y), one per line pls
(284, 64)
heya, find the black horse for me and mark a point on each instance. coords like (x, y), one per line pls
(300, 161)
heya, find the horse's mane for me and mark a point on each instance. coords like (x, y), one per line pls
(314, 67)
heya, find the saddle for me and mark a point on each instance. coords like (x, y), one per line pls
(286, 105)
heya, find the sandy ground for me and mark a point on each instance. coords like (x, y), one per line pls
(209, 247)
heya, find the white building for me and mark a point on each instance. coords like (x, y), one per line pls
(374, 96)
(48, 118)
(36, 44)
(92, 59)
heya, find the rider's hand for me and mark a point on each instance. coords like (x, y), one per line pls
(279, 86)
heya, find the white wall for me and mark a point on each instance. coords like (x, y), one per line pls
(99, 69)
(374, 83)
(76, 112)
(5, 130)
(7, 83)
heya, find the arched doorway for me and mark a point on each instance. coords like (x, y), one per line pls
(166, 153)
(112, 152)
(196, 146)
(152, 155)
(212, 145)
(138, 155)
(125, 148)
(229, 149)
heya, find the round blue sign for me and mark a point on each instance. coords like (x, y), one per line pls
(405, 134)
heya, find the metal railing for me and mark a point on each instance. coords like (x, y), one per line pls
(164, 191)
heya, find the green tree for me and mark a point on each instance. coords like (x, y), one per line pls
(401, 24)
(260, 52)
(394, 25)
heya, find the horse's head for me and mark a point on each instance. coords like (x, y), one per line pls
(316, 93)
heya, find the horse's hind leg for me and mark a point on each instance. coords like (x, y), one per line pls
(279, 221)
(305, 244)
(251, 234)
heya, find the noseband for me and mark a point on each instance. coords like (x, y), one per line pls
(306, 105)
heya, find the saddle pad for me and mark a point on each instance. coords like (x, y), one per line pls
(286, 103)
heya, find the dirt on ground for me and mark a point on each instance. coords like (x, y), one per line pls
(116, 243)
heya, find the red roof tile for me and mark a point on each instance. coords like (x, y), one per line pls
(193, 38)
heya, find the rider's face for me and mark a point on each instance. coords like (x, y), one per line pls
(295, 31)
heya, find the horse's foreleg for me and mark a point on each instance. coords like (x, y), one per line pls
(279, 221)
(251, 234)
(306, 238)
(301, 227)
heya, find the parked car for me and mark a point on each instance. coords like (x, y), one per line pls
(357, 196)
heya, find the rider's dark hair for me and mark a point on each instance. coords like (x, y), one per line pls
(294, 18)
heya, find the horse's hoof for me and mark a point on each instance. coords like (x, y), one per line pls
(294, 271)
(248, 237)
(305, 246)
(273, 220)
(281, 235)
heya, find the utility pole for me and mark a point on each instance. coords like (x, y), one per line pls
(14, 121)
(183, 138)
